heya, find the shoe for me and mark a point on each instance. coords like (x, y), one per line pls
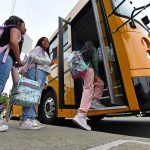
(3, 127)
(27, 125)
(96, 104)
(36, 123)
(81, 121)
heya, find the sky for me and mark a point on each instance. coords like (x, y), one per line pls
(40, 17)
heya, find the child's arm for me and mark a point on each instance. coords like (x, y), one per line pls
(41, 61)
(36, 59)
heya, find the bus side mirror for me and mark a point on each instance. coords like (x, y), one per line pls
(145, 20)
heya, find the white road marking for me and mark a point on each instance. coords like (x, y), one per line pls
(116, 143)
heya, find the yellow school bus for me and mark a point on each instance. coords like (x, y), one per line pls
(121, 30)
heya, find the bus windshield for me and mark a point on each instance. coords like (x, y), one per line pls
(127, 7)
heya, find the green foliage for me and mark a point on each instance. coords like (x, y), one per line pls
(3, 98)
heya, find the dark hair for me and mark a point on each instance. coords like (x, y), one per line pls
(87, 50)
(39, 42)
(13, 20)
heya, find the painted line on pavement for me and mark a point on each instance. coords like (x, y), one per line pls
(116, 143)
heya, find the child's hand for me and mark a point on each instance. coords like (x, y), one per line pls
(52, 63)
(19, 63)
(97, 76)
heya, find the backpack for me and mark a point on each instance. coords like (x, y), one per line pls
(5, 47)
(76, 64)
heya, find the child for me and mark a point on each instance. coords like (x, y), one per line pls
(92, 88)
(14, 27)
(39, 57)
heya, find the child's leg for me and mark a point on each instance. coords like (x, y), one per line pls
(88, 89)
(26, 111)
(98, 88)
(41, 80)
(5, 69)
(30, 112)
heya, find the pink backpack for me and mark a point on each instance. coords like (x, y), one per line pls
(5, 47)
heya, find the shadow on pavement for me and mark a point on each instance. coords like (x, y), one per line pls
(137, 128)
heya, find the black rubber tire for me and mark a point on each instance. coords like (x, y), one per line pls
(48, 109)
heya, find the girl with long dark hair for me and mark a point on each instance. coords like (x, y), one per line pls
(41, 68)
(92, 88)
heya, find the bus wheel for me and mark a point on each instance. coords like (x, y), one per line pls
(47, 109)
(96, 118)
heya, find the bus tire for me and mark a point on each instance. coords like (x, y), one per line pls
(47, 109)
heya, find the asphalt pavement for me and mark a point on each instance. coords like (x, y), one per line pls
(68, 137)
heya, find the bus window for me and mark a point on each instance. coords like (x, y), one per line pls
(127, 9)
(53, 49)
(65, 40)
(124, 9)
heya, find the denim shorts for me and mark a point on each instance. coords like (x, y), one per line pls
(5, 69)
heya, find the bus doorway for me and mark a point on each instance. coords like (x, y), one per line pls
(84, 29)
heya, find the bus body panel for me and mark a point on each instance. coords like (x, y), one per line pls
(122, 59)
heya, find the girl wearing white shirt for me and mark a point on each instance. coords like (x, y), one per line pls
(38, 56)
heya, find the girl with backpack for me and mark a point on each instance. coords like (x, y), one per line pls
(14, 28)
(40, 67)
(92, 88)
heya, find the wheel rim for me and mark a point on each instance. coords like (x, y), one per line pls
(49, 108)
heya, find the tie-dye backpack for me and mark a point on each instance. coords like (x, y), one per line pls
(76, 64)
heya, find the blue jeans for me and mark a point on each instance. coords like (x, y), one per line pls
(30, 112)
(5, 69)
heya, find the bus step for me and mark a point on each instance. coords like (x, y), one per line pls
(110, 108)
(107, 97)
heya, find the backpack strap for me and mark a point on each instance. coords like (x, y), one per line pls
(1, 31)
(5, 55)
(2, 49)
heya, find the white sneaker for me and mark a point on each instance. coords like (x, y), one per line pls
(36, 123)
(96, 104)
(27, 125)
(81, 121)
(3, 127)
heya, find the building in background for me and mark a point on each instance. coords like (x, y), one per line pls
(27, 44)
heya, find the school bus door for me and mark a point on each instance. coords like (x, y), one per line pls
(66, 83)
